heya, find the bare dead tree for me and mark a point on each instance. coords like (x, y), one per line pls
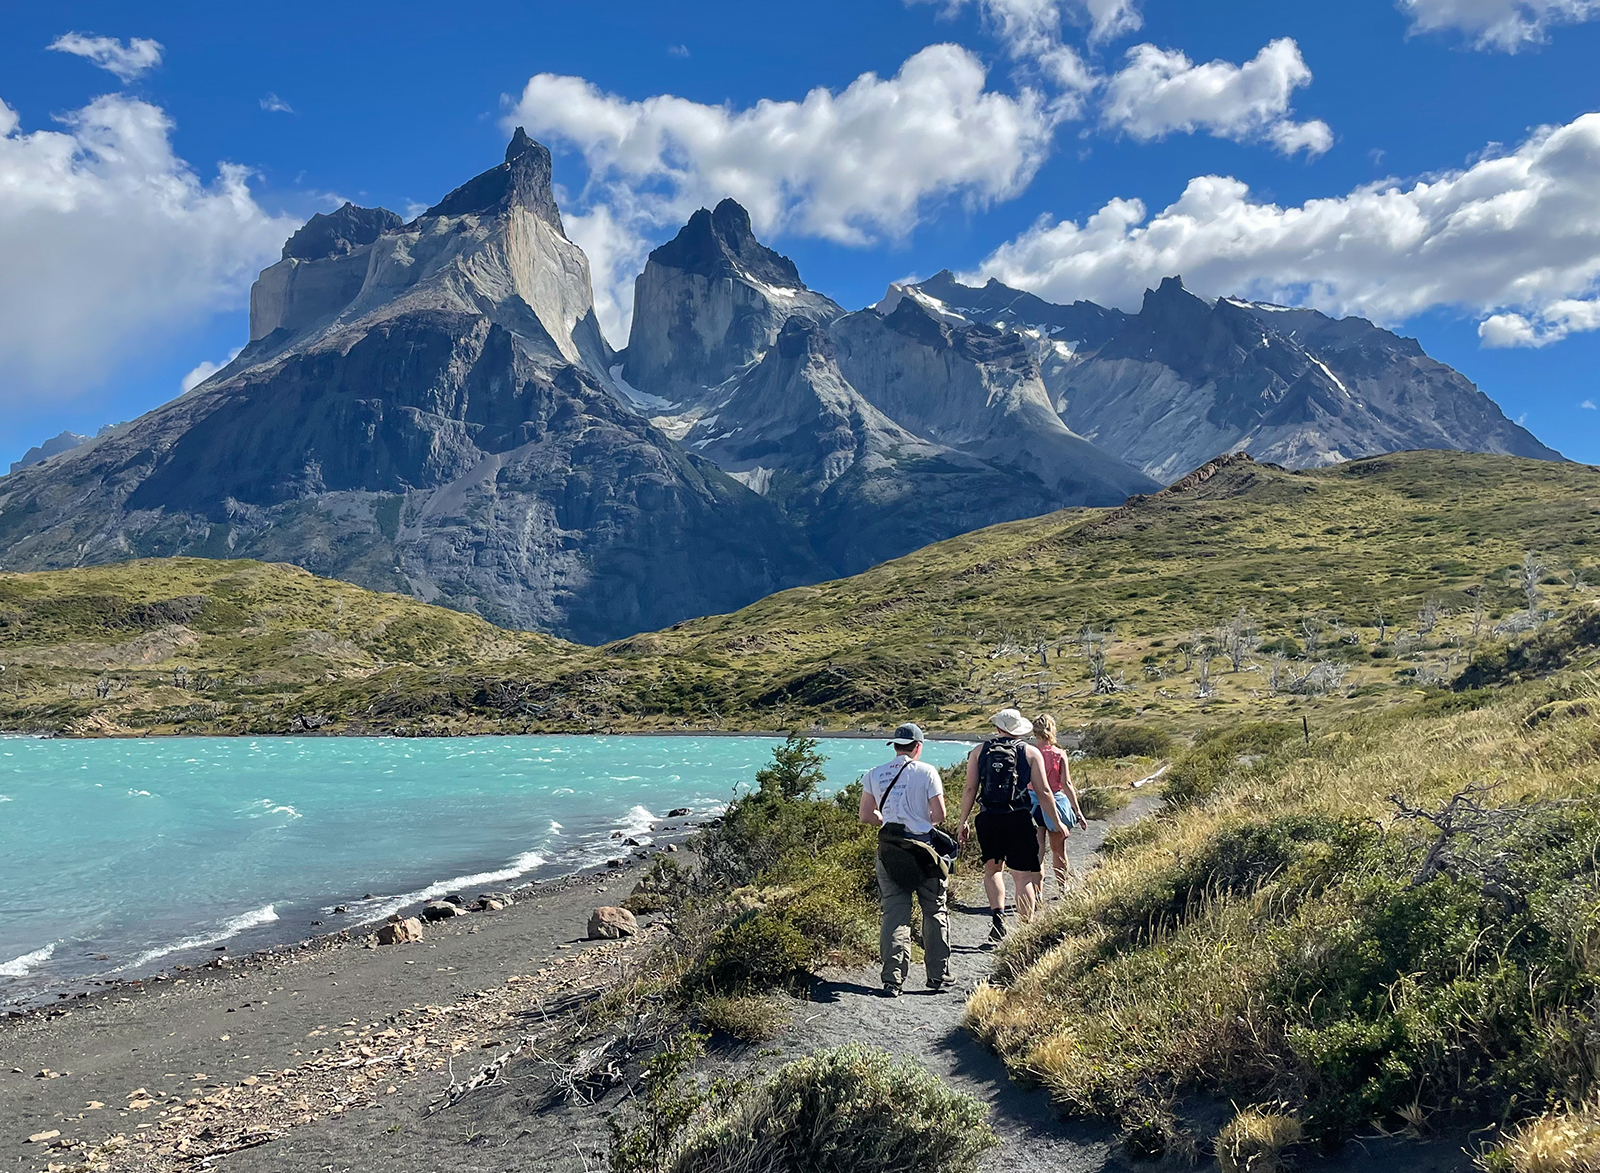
(1237, 637)
(1383, 622)
(1478, 593)
(1528, 578)
(1428, 617)
(1275, 678)
(1311, 629)
(1203, 678)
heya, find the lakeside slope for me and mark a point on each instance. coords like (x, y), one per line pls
(1349, 587)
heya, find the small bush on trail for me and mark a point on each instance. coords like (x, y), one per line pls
(750, 1019)
(850, 1110)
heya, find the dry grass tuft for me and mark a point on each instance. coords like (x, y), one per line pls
(1254, 1140)
(1562, 1141)
(750, 1019)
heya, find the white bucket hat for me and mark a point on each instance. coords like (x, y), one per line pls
(1013, 723)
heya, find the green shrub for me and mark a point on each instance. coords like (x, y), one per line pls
(851, 1110)
(796, 769)
(1126, 740)
(670, 1100)
(1101, 802)
(1536, 654)
(1220, 754)
(758, 951)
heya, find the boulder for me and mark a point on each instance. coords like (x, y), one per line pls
(630, 841)
(678, 812)
(608, 924)
(400, 931)
(455, 898)
(670, 847)
(439, 910)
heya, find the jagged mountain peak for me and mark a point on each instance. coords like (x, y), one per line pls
(720, 242)
(523, 180)
(339, 233)
(708, 305)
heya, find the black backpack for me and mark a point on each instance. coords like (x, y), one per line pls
(1003, 775)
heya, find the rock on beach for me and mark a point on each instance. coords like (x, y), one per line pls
(400, 931)
(611, 924)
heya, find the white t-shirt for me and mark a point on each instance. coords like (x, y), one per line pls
(908, 803)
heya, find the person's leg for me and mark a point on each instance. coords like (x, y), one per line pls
(1041, 835)
(894, 937)
(933, 897)
(1023, 859)
(994, 885)
(1058, 860)
(1028, 884)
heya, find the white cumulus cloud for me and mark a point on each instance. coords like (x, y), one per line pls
(206, 369)
(126, 61)
(113, 243)
(1160, 91)
(1514, 239)
(1029, 25)
(853, 166)
(1506, 25)
(276, 105)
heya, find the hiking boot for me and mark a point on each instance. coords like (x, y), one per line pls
(997, 929)
(891, 991)
(941, 985)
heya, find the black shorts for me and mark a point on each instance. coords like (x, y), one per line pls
(1009, 837)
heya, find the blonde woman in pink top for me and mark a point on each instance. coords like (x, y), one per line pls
(1058, 772)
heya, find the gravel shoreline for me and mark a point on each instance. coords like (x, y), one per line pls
(154, 1074)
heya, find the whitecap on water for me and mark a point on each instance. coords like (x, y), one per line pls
(140, 794)
(5, 798)
(231, 927)
(263, 807)
(562, 790)
(520, 866)
(18, 966)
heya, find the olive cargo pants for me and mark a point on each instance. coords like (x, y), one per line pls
(894, 940)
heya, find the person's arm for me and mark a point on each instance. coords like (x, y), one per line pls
(1071, 790)
(969, 793)
(870, 814)
(1040, 783)
(936, 808)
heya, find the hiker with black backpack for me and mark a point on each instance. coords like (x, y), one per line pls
(1000, 774)
(904, 799)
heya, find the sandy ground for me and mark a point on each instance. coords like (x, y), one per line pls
(338, 1059)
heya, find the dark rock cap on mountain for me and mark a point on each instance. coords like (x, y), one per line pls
(339, 233)
(708, 305)
(524, 180)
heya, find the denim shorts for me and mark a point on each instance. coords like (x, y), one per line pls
(1063, 811)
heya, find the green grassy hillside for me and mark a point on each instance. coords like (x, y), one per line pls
(1343, 589)
(190, 643)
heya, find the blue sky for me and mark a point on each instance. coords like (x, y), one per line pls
(137, 201)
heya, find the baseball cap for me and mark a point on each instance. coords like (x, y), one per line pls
(907, 734)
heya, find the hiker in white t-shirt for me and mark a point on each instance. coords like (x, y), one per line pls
(905, 800)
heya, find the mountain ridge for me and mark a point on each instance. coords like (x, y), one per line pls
(431, 406)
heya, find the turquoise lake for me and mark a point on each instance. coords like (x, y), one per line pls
(122, 858)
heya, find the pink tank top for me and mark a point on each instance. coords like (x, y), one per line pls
(1055, 766)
